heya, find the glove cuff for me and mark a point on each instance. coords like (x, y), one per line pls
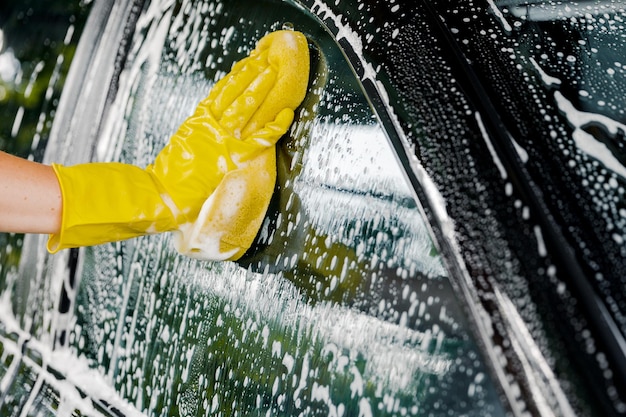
(105, 202)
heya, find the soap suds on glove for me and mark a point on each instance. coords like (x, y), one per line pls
(202, 238)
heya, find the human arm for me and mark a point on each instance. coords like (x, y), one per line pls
(30, 199)
(212, 182)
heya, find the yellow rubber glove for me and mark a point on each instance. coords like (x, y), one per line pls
(213, 181)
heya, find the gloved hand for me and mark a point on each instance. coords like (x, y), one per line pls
(213, 181)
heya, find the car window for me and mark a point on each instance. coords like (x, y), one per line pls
(343, 306)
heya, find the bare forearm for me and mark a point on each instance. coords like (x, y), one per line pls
(30, 196)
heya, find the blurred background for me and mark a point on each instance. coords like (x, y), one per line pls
(38, 39)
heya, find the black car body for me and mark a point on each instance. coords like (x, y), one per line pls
(446, 236)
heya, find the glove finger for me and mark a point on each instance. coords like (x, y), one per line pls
(274, 130)
(243, 151)
(237, 115)
(203, 126)
(288, 56)
(229, 88)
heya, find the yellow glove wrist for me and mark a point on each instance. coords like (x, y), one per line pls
(105, 202)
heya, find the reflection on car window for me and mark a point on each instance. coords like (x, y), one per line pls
(343, 306)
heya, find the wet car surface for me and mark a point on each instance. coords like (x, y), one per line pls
(446, 236)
